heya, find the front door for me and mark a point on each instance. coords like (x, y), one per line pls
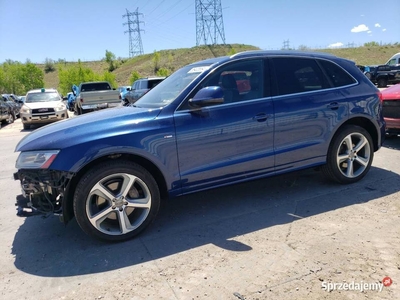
(232, 141)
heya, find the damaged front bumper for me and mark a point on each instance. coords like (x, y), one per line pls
(43, 192)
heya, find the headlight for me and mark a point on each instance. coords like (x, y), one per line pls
(36, 159)
(60, 108)
(25, 109)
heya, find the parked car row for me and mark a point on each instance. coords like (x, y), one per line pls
(10, 107)
(382, 75)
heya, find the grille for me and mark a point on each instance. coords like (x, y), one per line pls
(391, 109)
(43, 111)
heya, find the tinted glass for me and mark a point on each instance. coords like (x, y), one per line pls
(336, 74)
(152, 83)
(90, 87)
(239, 80)
(298, 75)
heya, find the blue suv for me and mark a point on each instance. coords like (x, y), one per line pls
(197, 130)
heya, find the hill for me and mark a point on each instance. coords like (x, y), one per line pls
(174, 59)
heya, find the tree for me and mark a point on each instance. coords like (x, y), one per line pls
(156, 61)
(79, 73)
(75, 75)
(231, 52)
(303, 48)
(17, 78)
(2, 82)
(110, 77)
(134, 76)
(49, 65)
(110, 59)
(31, 77)
(163, 72)
(371, 44)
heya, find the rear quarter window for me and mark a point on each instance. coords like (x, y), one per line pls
(337, 75)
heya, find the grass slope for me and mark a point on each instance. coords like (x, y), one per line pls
(174, 59)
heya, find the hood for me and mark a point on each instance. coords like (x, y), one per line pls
(91, 126)
(35, 105)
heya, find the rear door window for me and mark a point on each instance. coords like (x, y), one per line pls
(297, 75)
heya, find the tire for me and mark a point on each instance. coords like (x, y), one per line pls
(10, 118)
(26, 126)
(116, 200)
(348, 165)
(382, 82)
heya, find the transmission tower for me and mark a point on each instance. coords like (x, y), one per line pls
(286, 45)
(209, 22)
(135, 39)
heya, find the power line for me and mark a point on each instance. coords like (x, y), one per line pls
(135, 39)
(164, 21)
(156, 7)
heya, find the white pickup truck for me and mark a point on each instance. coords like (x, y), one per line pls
(95, 95)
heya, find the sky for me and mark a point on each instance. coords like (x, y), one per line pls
(37, 30)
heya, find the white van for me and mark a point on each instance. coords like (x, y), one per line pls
(394, 60)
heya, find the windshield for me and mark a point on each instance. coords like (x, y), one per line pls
(167, 90)
(42, 97)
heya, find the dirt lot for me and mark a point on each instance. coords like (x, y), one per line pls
(286, 237)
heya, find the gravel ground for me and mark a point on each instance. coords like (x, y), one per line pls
(285, 237)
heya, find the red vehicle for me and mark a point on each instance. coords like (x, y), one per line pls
(391, 109)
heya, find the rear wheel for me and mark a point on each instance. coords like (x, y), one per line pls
(116, 200)
(382, 82)
(349, 156)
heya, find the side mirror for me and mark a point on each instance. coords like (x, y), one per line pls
(128, 89)
(208, 96)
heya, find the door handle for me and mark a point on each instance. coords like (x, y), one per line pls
(261, 117)
(333, 105)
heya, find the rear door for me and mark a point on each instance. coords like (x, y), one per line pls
(227, 142)
(308, 107)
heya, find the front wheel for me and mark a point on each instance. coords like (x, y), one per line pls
(382, 82)
(116, 200)
(10, 118)
(349, 156)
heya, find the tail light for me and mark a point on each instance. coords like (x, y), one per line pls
(380, 96)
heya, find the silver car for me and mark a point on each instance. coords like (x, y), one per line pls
(42, 106)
